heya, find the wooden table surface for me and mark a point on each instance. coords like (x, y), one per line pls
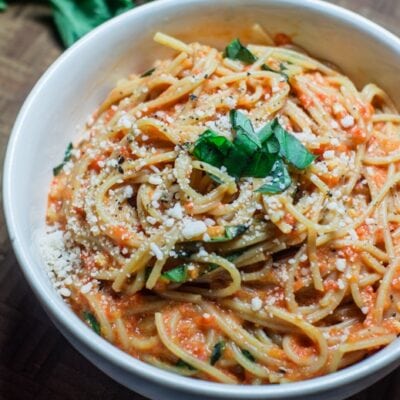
(36, 362)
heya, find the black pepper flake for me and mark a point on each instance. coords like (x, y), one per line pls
(120, 169)
(121, 160)
(192, 97)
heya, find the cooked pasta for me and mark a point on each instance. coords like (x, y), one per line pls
(234, 216)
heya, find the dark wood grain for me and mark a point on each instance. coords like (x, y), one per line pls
(36, 362)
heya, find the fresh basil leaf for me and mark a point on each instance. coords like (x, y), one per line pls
(177, 274)
(282, 67)
(215, 179)
(3, 5)
(231, 232)
(259, 161)
(254, 154)
(236, 51)
(291, 148)
(212, 148)
(235, 162)
(75, 18)
(265, 67)
(67, 157)
(186, 250)
(240, 121)
(248, 144)
(246, 139)
(266, 132)
(239, 157)
(260, 165)
(183, 364)
(91, 320)
(272, 145)
(278, 181)
(233, 256)
(211, 267)
(217, 352)
(248, 355)
(57, 169)
(148, 73)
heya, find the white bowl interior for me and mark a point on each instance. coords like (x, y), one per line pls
(77, 83)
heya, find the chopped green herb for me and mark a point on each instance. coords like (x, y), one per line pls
(234, 231)
(291, 148)
(3, 5)
(187, 250)
(217, 352)
(75, 18)
(212, 148)
(231, 232)
(91, 320)
(282, 68)
(177, 274)
(278, 181)
(236, 51)
(182, 364)
(254, 154)
(67, 157)
(248, 355)
(233, 256)
(148, 73)
(211, 267)
(240, 121)
(245, 156)
(215, 179)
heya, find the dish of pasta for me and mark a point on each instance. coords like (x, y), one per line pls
(233, 215)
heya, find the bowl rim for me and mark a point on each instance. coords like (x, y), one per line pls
(70, 323)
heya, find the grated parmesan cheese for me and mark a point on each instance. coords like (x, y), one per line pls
(256, 304)
(341, 264)
(176, 211)
(347, 121)
(59, 260)
(156, 251)
(192, 229)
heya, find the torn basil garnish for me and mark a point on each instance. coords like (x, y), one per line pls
(177, 274)
(236, 51)
(261, 154)
(182, 364)
(91, 320)
(248, 355)
(217, 352)
(67, 157)
(278, 181)
(148, 73)
(291, 149)
(282, 68)
(231, 232)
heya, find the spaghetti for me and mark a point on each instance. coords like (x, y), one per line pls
(196, 269)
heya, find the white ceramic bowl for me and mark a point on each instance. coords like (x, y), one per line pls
(77, 82)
